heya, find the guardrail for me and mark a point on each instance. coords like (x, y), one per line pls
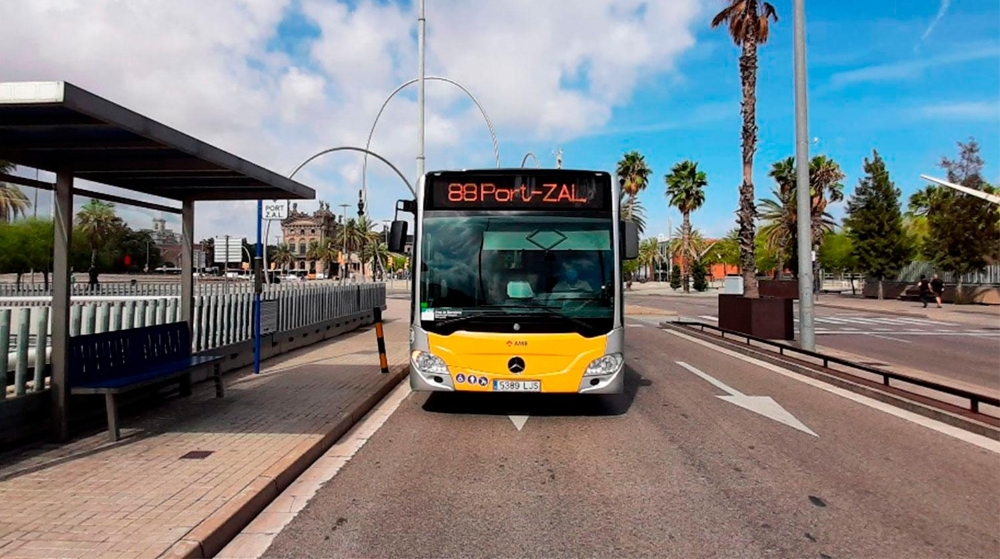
(974, 398)
(217, 320)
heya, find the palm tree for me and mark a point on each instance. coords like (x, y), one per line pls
(696, 244)
(98, 222)
(632, 210)
(649, 255)
(283, 256)
(352, 238)
(686, 191)
(634, 174)
(748, 26)
(780, 214)
(12, 200)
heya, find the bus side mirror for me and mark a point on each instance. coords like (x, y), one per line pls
(631, 233)
(397, 236)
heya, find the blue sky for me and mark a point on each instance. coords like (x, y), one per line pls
(277, 81)
(877, 80)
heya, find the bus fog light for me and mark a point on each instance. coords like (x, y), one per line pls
(428, 363)
(605, 365)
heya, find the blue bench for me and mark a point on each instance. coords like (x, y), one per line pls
(111, 363)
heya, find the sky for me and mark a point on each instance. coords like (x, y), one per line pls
(275, 81)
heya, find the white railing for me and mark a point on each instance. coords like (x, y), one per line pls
(218, 320)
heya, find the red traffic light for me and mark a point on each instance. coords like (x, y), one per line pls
(128, 260)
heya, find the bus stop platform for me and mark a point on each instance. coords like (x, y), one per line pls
(190, 473)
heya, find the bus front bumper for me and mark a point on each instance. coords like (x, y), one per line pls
(420, 381)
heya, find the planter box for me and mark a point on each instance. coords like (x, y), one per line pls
(767, 317)
(782, 289)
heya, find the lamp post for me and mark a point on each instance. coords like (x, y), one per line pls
(343, 233)
(421, 35)
(807, 332)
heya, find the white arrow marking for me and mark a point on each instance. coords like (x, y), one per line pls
(763, 405)
(518, 420)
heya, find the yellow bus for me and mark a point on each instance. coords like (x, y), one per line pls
(517, 281)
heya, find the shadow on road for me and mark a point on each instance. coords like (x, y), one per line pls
(490, 403)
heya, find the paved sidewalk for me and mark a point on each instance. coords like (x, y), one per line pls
(148, 496)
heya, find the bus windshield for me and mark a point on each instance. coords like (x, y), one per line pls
(554, 268)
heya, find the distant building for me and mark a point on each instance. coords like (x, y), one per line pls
(300, 229)
(169, 243)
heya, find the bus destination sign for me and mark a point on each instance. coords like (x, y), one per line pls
(518, 192)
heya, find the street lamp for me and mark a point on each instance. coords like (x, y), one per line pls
(343, 233)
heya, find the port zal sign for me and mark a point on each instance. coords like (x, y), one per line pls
(275, 210)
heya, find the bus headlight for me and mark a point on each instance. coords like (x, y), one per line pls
(428, 363)
(605, 365)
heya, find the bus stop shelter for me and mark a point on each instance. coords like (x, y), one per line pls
(61, 128)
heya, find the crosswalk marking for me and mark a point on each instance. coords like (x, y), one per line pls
(882, 326)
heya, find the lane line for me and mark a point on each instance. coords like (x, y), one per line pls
(954, 432)
(891, 338)
(711, 380)
(253, 541)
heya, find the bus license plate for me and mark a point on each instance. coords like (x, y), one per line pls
(517, 386)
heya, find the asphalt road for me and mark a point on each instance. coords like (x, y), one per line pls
(969, 353)
(668, 469)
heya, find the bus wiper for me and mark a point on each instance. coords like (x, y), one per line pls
(465, 317)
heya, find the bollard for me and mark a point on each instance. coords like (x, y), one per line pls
(383, 361)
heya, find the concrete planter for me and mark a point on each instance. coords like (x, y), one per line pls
(767, 317)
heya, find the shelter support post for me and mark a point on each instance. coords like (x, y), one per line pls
(187, 261)
(63, 217)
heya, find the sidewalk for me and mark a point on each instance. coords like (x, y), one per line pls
(191, 473)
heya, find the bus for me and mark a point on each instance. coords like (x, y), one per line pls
(517, 281)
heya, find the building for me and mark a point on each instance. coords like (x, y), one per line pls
(300, 229)
(169, 243)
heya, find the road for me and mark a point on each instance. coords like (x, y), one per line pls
(668, 469)
(969, 353)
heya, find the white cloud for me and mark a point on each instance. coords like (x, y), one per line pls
(962, 110)
(908, 69)
(545, 71)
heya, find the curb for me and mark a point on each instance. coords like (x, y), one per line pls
(211, 535)
(880, 311)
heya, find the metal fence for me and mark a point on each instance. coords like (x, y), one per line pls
(218, 319)
(912, 272)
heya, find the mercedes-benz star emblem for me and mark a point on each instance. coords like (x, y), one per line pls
(515, 365)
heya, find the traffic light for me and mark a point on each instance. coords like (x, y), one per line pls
(361, 205)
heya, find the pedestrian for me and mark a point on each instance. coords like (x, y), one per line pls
(937, 286)
(925, 289)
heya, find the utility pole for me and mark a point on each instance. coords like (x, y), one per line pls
(421, 33)
(807, 332)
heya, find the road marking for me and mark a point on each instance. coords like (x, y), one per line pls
(891, 338)
(254, 540)
(707, 317)
(911, 333)
(762, 405)
(518, 420)
(960, 434)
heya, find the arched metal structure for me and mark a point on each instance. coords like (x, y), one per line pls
(525, 159)
(364, 165)
(991, 198)
(367, 152)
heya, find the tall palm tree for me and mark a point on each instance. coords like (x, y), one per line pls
(748, 26)
(12, 200)
(695, 246)
(98, 222)
(686, 191)
(649, 255)
(634, 173)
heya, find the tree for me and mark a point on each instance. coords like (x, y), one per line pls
(12, 200)
(632, 210)
(99, 224)
(837, 254)
(686, 191)
(698, 274)
(675, 277)
(781, 213)
(649, 255)
(728, 249)
(963, 231)
(875, 224)
(634, 173)
(748, 27)
(283, 256)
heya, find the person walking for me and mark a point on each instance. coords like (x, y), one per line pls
(937, 286)
(925, 289)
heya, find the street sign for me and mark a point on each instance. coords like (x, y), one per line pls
(275, 210)
(228, 250)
